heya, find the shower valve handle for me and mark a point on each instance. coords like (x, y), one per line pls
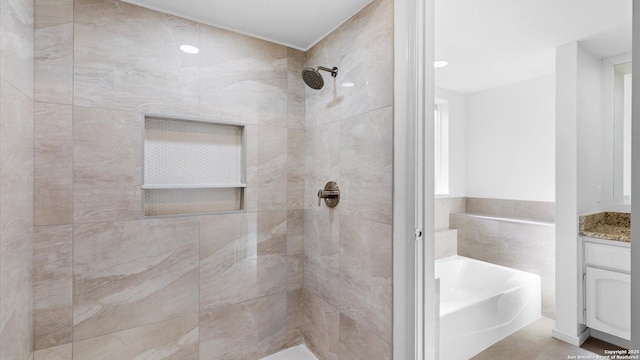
(330, 194)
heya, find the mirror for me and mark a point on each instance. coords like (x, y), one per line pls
(622, 133)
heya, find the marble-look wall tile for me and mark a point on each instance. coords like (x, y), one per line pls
(107, 171)
(16, 217)
(53, 164)
(295, 249)
(366, 275)
(295, 169)
(321, 327)
(295, 317)
(323, 106)
(133, 273)
(443, 207)
(128, 58)
(322, 254)
(476, 239)
(530, 210)
(16, 336)
(16, 167)
(60, 352)
(175, 339)
(267, 169)
(54, 51)
(322, 161)
(359, 343)
(366, 171)
(242, 257)
(52, 285)
(446, 243)
(249, 330)
(296, 88)
(242, 79)
(366, 45)
(17, 39)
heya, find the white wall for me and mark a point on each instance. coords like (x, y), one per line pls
(457, 141)
(510, 151)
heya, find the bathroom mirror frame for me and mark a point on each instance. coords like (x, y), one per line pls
(620, 67)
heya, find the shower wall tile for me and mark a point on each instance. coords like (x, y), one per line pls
(16, 53)
(16, 208)
(242, 257)
(54, 51)
(272, 168)
(107, 170)
(366, 144)
(60, 352)
(171, 339)
(359, 343)
(267, 169)
(133, 273)
(53, 164)
(366, 275)
(296, 61)
(295, 169)
(366, 47)
(242, 79)
(295, 317)
(322, 161)
(322, 254)
(52, 285)
(16, 171)
(321, 327)
(128, 58)
(249, 330)
(295, 249)
(323, 106)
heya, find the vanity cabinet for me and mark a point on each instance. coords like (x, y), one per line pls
(607, 286)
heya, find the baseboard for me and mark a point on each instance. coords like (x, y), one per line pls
(573, 340)
(611, 339)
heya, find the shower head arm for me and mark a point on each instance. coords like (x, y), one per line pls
(334, 71)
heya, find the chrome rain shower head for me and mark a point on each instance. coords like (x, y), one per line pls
(313, 79)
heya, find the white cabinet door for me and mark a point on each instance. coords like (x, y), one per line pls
(609, 302)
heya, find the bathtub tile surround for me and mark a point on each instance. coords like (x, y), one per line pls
(606, 225)
(60, 352)
(347, 249)
(516, 234)
(16, 177)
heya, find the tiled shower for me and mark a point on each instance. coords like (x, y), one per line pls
(106, 282)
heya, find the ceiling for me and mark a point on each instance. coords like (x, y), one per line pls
(295, 23)
(492, 43)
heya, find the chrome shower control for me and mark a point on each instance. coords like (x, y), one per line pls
(330, 194)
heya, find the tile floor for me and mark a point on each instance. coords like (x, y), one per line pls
(534, 342)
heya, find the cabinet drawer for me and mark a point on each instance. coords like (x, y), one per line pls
(609, 256)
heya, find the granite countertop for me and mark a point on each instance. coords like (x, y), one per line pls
(606, 225)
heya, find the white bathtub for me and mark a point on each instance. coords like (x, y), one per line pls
(481, 303)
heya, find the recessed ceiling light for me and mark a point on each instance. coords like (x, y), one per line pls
(348, 84)
(440, 63)
(189, 49)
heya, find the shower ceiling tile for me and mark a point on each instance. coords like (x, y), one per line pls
(294, 23)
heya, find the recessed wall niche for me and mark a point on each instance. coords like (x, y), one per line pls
(192, 166)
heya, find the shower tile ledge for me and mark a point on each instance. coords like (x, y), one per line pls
(299, 352)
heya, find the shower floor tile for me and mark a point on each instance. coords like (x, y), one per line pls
(299, 352)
